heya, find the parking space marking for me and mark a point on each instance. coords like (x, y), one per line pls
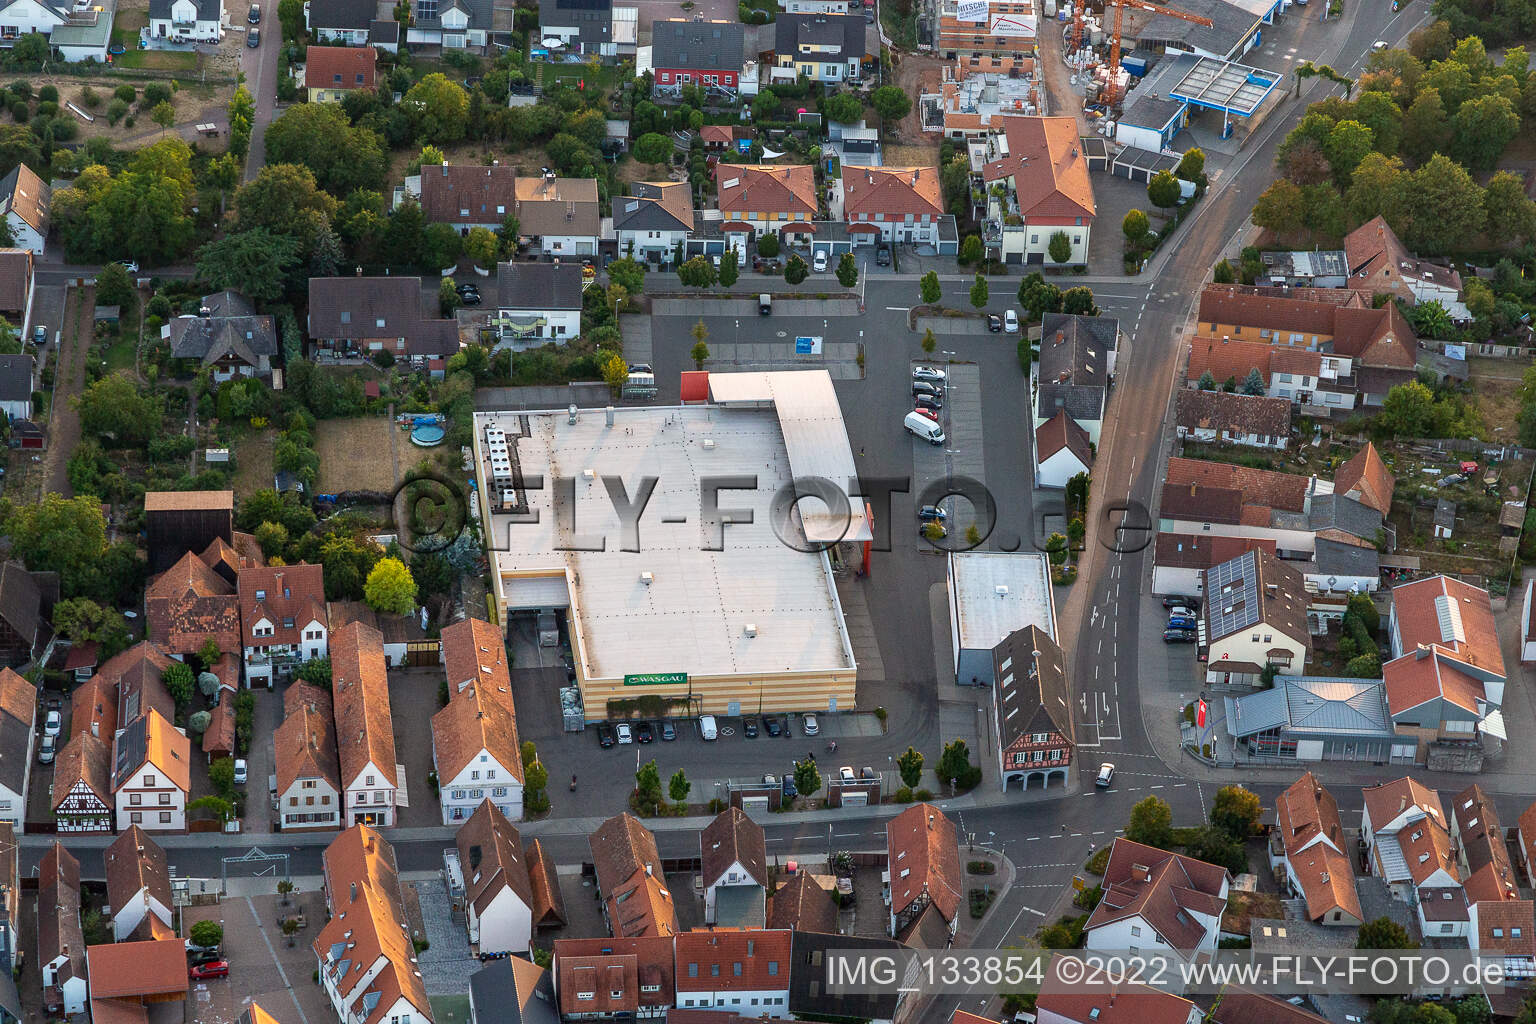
(961, 453)
(251, 905)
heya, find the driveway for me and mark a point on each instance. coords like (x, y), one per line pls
(260, 69)
(68, 382)
(412, 703)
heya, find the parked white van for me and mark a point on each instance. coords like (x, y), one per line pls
(707, 727)
(924, 428)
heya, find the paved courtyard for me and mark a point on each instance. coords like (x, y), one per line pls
(446, 964)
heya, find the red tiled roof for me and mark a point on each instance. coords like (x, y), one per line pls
(1527, 826)
(1230, 360)
(339, 67)
(1119, 1004)
(289, 593)
(1513, 921)
(157, 967)
(751, 960)
(924, 851)
(1159, 887)
(733, 838)
(1200, 551)
(304, 744)
(1386, 800)
(360, 696)
(1491, 875)
(891, 191)
(1046, 162)
(645, 962)
(1237, 1006)
(1366, 479)
(1062, 431)
(1422, 675)
(766, 188)
(629, 878)
(1265, 487)
(1418, 607)
(190, 604)
(479, 716)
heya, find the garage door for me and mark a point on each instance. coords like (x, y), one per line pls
(535, 593)
(754, 803)
(855, 798)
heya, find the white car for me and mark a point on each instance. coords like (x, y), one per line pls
(48, 750)
(1106, 775)
(819, 261)
(625, 736)
(847, 774)
(929, 374)
(53, 724)
(809, 726)
(1010, 322)
(240, 771)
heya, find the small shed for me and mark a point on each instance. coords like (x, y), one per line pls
(1445, 517)
(27, 434)
(107, 315)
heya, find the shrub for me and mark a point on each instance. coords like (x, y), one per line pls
(20, 111)
(1098, 862)
(980, 867)
(206, 933)
(90, 98)
(1088, 898)
(155, 93)
(22, 88)
(115, 110)
(48, 94)
(126, 93)
(903, 795)
(923, 794)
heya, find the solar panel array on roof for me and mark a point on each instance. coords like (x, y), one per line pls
(1234, 597)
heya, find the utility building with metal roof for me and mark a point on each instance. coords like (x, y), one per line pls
(1314, 718)
(991, 595)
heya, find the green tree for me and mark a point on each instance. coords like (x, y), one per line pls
(807, 777)
(208, 934)
(1481, 128)
(1280, 208)
(1426, 126)
(1215, 846)
(653, 148)
(795, 270)
(929, 343)
(847, 271)
(343, 157)
(1078, 301)
(255, 262)
(1207, 381)
(1378, 188)
(481, 245)
(1191, 165)
(979, 294)
(1347, 144)
(242, 114)
(82, 620)
(316, 672)
(286, 200)
(1364, 666)
(114, 407)
(221, 775)
(1408, 411)
(1163, 190)
(630, 275)
(1135, 225)
(929, 288)
(1381, 114)
(970, 251)
(1446, 207)
(891, 103)
(439, 109)
(447, 297)
(1223, 273)
(390, 587)
(730, 271)
(178, 680)
(1384, 933)
(1253, 384)
(1236, 811)
(679, 787)
(614, 370)
(1038, 296)
(768, 246)
(1060, 247)
(954, 762)
(1510, 215)
(844, 108)
(698, 272)
(1151, 823)
(700, 351)
(910, 765)
(1362, 606)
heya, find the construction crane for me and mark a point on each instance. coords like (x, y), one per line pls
(1111, 96)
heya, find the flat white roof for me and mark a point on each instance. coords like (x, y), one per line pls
(815, 439)
(694, 613)
(992, 594)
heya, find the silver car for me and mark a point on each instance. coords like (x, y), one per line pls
(810, 726)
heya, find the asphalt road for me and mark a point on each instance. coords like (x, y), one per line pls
(260, 68)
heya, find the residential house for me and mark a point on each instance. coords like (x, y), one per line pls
(498, 894)
(139, 888)
(1304, 268)
(26, 600)
(636, 900)
(403, 634)
(511, 990)
(1445, 682)
(581, 26)
(1154, 899)
(1255, 615)
(11, 955)
(688, 51)
(1379, 264)
(82, 781)
(757, 198)
(331, 72)
(16, 281)
(282, 620)
(364, 953)
(309, 791)
(1222, 499)
(825, 48)
(226, 337)
(923, 848)
(1039, 162)
(1062, 1002)
(802, 903)
(557, 216)
(475, 749)
(1000, 41)
(892, 204)
(138, 677)
(734, 870)
(1500, 921)
(1339, 569)
(538, 302)
(465, 195)
(190, 604)
(1179, 560)
(653, 220)
(1308, 843)
(1366, 479)
(365, 736)
(18, 730)
(1075, 369)
(1230, 361)
(1408, 844)
(151, 774)
(1063, 449)
(1239, 1006)
(1035, 734)
(219, 737)
(614, 979)
(24, 197)
(745, 972)
(460, 24)
(186, 21)
(1218, 416)
(129, 979)
(350, 23)
(60, 940)
(176, 522)
(16, 386)
(548, 903)
(808, 995)
(357, 317)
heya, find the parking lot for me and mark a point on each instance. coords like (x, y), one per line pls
(263, 967)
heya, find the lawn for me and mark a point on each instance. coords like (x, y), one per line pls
(339, 443)
(449, 1009)
(601, 79)
(120, 354)
(157, 60)
(253, 464)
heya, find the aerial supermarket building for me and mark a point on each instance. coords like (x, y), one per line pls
(753, 627)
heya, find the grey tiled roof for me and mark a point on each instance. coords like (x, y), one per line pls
(1082, 403)
(1336, 512)
(706, 45)
(1335, 558)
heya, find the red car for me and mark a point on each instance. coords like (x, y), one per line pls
(212, 969)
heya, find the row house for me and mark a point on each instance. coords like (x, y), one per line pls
(190, 604)
(283, 619)
(364, 953)
(802, 904)
(538, 303)
(17, 288)
(1408, 846)
(139, 888)
(513, 990)
(825, 48)
(365, 737)
(584, 27)
(734, 870)
(1035, 733)
(1252, 421)
(331, 73)
(350, 23)
(151, 774)
(1254, 616)
(1179, 560)
(556, 216)
(1074, 370)
(510, 890)
(138, 677)
(309, 791)
(60, 938)
(891, 204)
(18, 732)
(653, 220)
(1309, 845)
(767, 198)
(1037, 182)
(697, 52)
(1158, 901)
(923, 851)
(636, 900)
(359, 317)
(82, 784)
(1379, 264)
(615, 979)
(744, 972)
(475, 749)
(478, 25)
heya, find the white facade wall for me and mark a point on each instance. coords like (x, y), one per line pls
(295, 812)
(483, 777)
(1058, 469)
(568, 245)
(734, 876)
(1288, 541)
(72, 992)
(185, 23)
(505, 927)
(27, 237)
(127, 917)
(25, 16)
(563, 324)
(761, 1003)
(639, 243)
(371, 797)
(161, 807)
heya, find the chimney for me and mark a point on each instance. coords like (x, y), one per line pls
(354, 893)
